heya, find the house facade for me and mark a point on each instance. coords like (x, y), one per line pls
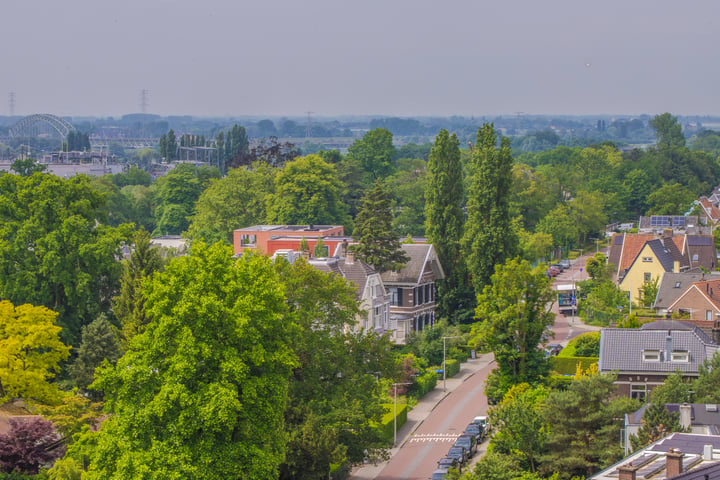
(412, 290)
(699, 304)
(655, 258)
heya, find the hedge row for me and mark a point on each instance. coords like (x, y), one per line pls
(424, 383)
(568, 365)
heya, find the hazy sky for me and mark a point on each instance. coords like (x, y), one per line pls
(378, 57)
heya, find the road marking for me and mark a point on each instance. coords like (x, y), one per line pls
(434, 437)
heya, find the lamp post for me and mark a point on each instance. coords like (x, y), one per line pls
(444, 367)
(395, 385)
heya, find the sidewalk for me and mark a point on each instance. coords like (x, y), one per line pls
(421, 411)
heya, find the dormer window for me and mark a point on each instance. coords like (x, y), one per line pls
(677, 284)
(681, 356)
(647, 259)
(651, 355)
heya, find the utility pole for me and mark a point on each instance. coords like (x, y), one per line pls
(11, 103)
(308, 128)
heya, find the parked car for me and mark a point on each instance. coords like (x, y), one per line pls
(439, 474)
(476, 431)
(553, 349)
(482, 420)
(565, 263)
(558, 266)
(447, 462)
(552, 271)
(458, 453)
(468, 442)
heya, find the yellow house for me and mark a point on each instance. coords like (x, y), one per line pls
(655, 258)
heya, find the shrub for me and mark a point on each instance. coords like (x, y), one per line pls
(386, 424)
(423, 383)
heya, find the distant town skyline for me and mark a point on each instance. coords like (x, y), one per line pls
(400, 58)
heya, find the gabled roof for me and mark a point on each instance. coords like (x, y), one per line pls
(422, 256)
(621, 349)
(356, 272)
(666, 253)
(708, 289)
(615, 251)
(712, 212)
(672, 285)
(700, 251)
(633, 243)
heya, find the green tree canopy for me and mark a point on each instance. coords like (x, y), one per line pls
(307, 191)
(375, 153)
(515, 319)
(100, 341)
(56, 249)
(489, 238)
(237, 200)
(201, 393)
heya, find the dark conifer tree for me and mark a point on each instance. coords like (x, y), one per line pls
(378, 245)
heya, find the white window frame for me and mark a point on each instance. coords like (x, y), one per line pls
(680, 356)
(651, 355)
(638, 390)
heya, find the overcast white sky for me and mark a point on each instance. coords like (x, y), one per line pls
(377, 57)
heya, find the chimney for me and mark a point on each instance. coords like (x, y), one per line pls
(673, 463)
(676, 266)
(350, 257)
(344, 248)
(708, 453)
(668, 346)
(667, 233)
(627, 472)
(685, 415)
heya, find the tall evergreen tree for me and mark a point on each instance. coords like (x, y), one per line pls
(99, 342)
(489, 237)
(444, 219)
(129, 306)
(379, 246)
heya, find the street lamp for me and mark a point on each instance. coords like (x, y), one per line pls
(444, 367)
(395, 385)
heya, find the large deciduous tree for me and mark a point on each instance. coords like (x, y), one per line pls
(99, 342)
(444, 222)
(489, 238)
(515, 319)
(56, 250)
(378, 245)
(176, 194)
(235, 201)
(333, 406)
(30, 352)
(201, 393)
(375, 153)
(307, 191)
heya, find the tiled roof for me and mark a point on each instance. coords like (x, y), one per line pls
(672, 285)
(622, 349)
(420, 254)
(710, 289)
(356, 272)
(710, 210)
(632, 245)
(616, 249)
(700, 413)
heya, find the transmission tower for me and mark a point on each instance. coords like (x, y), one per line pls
(11, 103)
(308, 129)
(144, 100)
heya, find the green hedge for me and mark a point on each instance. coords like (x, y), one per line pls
(424, 383)
(453, 367)
(386, 424)
(568, 365)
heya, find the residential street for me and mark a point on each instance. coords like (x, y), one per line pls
(441, 416)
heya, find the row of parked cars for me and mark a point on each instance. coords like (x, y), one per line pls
(464, 448)
(557, 268)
